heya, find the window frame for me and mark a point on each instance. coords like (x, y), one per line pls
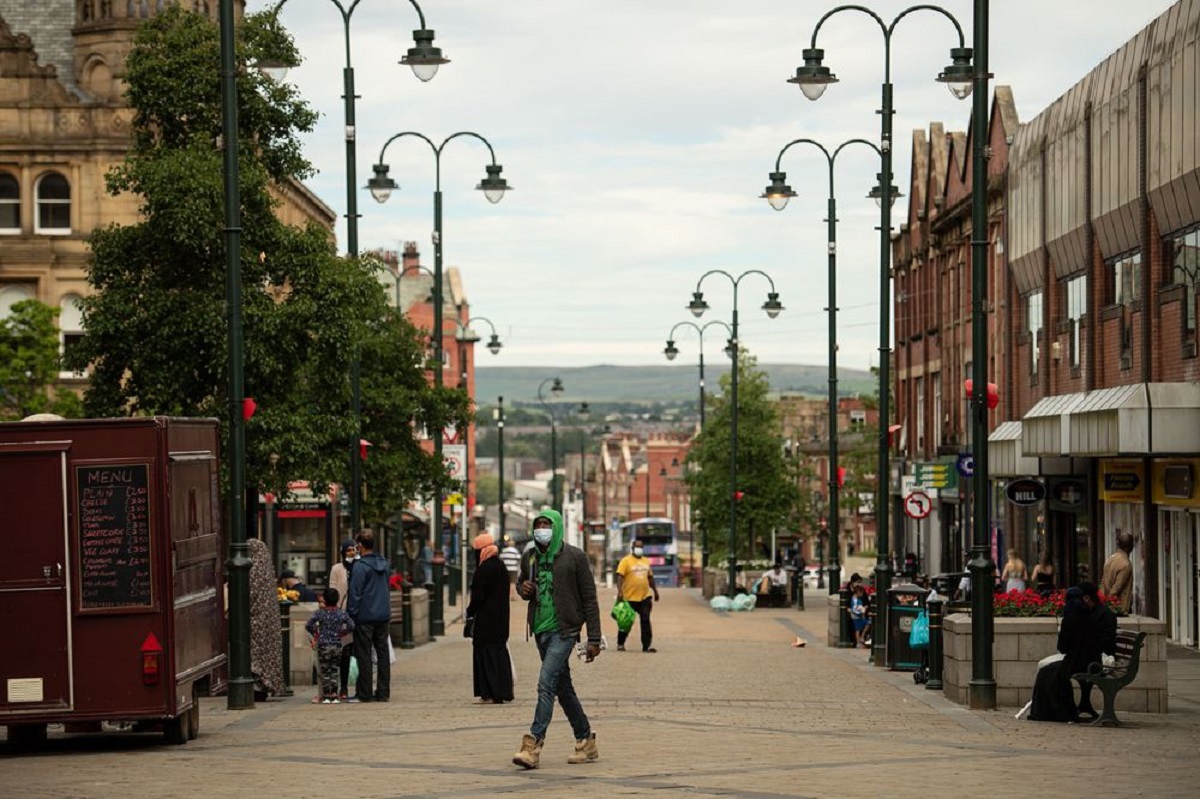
(39, 202)
(14, 202)
(1075, 288)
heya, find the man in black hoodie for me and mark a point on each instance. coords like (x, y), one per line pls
(371, 610)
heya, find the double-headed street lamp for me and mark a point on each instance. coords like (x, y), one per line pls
(812, 78)
(671, 351)
(424, 59)
(556, 388)
(493, 187)
(777, 194)
(698, 306)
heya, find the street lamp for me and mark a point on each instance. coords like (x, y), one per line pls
(493, 186)
(662, 472)
(424, 59)
(698, 306)
(812, 78)
(671, 351)
(556, 389)
(498, 416)
(583, 413)
(777, 194)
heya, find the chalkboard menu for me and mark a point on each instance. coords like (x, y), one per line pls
(113, 512)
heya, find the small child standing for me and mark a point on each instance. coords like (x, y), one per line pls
(327, 626)
(858, 612)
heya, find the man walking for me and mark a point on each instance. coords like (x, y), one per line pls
(635, 583)
(1117, 577)
(556, 580)
(371, 611)
(511, 557)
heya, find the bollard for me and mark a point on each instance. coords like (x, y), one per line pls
(285, 611)
(437, 626)
(936, 613)
(799, 582)
(406, 616)
(845, 625)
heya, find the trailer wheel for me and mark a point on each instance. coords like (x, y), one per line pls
(175, 730)
(26, 736)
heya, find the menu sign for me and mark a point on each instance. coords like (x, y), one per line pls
(113, 512)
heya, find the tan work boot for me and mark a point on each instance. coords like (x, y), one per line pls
(531, 752)
(585, 750)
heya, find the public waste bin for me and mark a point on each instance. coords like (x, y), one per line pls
(905, 603)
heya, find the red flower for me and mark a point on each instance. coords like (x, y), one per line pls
(395, 582)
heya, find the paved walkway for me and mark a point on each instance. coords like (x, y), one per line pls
(726, 708)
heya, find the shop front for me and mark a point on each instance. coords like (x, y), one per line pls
(1176, 497)
(302, 532)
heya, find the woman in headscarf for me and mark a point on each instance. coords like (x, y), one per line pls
(1053, 699)
(489, 609)
(266, 638)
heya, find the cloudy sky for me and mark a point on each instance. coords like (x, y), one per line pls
(638, 135)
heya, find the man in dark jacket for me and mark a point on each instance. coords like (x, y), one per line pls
(556, 580)
(371, 610)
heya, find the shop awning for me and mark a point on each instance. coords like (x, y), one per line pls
(1138, 419)
(1005, 455)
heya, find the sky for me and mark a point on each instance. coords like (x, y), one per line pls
(637, 136)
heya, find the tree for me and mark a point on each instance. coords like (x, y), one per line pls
(156, 322)
(29, 364)
(767, 481)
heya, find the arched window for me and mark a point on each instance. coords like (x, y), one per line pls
(53, 204)
(70, 328)
(10, 204)
(10, 295)
(86, 11)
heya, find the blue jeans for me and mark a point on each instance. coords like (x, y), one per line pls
(555, 681)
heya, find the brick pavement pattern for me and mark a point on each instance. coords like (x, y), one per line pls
(726, 708)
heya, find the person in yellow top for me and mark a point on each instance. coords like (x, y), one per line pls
(635, 583)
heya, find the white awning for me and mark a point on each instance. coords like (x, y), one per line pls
(1005, 455)
(1137, 419)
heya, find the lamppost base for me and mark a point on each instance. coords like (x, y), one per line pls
(981, 694)
(240, 695)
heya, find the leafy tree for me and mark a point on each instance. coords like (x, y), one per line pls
(768, 482)
(29, 364)
(156, 323)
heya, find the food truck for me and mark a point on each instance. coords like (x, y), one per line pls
(111, 584)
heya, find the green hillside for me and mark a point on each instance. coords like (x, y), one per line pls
(668, 383)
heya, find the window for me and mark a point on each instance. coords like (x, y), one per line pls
(858, 418)
(53, 204)
(1126, 277)
(1076, 310)
(936, 377)
(1184, 262)
(70, 329)
(1033, 324)
(920, 392)
(10, 295)
(10, 204)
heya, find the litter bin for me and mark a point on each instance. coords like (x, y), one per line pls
(905, 603)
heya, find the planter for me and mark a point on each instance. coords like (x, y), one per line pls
(420, 612)
(1018, 645)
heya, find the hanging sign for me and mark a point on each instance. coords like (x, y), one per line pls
(1025, 492)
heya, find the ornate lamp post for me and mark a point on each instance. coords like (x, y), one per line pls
(556, 389)
(812, 78)
(777, 194)
(671, 351)
(498, 416)
(698, 306)
(424, 59)
(493, 186)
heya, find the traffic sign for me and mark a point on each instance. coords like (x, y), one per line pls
(917, 505)
(455, 456)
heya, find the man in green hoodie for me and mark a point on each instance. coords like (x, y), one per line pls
(556, 580)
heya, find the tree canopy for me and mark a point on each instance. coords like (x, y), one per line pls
(29, 364)
(157, 321)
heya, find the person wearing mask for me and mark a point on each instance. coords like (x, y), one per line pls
(635, 584)
(1117, 577)
(370, 608)
(491, 666)
(339, 578)
(556, 579)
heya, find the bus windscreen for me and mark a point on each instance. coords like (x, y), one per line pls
(656, 533)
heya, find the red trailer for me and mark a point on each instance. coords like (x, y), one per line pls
(111, 582)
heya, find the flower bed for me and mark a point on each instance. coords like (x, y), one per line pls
(1029, 603)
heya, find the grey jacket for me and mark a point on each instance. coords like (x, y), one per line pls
(574, 592)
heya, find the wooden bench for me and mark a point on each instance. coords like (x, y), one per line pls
(1111, 679)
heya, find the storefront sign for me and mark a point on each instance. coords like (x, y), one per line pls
(1122, 481)
(1174, 482)
(1067, 494)
(1025, 491)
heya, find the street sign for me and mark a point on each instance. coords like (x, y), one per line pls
(1025, 491)
(454, 499)
(917, 505)
(934, 475)
(456, 460)
(966, 464)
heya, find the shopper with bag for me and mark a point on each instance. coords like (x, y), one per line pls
(487, 614)
(370, 608)
(635, 584)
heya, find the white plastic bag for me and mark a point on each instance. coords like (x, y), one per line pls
(720, 603)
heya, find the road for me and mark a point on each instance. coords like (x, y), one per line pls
(726, 708)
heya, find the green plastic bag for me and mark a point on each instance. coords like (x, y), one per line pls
(624, 613)
(353, 676)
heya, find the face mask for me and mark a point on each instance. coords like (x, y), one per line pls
(349, 559)
(637, 552)
(542, 535)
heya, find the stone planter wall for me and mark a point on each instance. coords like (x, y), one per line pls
(420, 612)
(1020, 643)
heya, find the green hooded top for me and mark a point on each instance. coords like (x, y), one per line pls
(545, 617)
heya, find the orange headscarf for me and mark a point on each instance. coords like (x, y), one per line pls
(486, 546)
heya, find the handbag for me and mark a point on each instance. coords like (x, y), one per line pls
(469, 627)
(918, 634)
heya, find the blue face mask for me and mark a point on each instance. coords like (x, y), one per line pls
(542, 535)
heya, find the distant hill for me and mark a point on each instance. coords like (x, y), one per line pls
(667, 383)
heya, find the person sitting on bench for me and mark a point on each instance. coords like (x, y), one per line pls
(776, 581)
(1089, 628)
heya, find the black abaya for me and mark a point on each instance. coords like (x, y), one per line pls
(490, 608)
